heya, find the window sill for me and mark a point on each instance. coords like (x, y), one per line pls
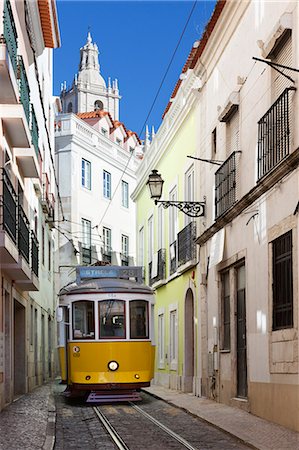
(225, 351)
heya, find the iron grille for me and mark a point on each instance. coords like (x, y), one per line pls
(173, 257)
(9, 207)
(107, 255)
(225, 185)
(161, 272)
(282, 282)
(124, 259)
(186, 244)
(34, 131)
(34, 253)
(24, 88)
(274, 134)
(23, 233)
(10, 34)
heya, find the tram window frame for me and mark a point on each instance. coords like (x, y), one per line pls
(112, 336)
(88, 335)
(147, 331)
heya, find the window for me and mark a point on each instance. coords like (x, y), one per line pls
(282, 282)
(49, 255)
(150, 228)
(86, 241)
(131, 149)
(119, 141)
(214, 142)
(98, 105)
(161, 349)
(189, 190)
(43, 245)
(160, 227)
(106, 184)
(104, 131)
(70, 107)
(173, 340)
(83, 320)
(125, 194)
(141, 247)
(124, 250)
(107, 244)
(112, 319)
(232, 133)
(86, 174)
(225, 312)
(139, 319)
(173, 217)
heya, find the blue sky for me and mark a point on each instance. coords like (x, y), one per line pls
(136, 41)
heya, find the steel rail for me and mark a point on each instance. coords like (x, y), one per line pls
(164, 428)
(121, 445)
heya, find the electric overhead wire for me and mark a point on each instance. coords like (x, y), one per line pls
(150, 110)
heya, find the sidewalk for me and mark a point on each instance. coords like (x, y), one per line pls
(252, 430)
(29, 422)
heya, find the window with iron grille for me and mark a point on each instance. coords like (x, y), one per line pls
(125, 194)
(225, 312)
(225, 185)
(282, 282)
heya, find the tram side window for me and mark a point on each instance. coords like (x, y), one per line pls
(112, 319)
(139, 319)
(83, 320)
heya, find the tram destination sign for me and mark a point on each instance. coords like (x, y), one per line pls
(125, 272)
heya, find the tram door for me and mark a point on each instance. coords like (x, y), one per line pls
(189, 342)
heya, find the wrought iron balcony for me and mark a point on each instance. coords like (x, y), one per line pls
(9, 207)
(10, 34)
(186, 244)
(23, 233)
(24, 88)
(173, 257)
(225, 185)
(124, 259)
(274, 134)
(107, 255)
(34, 253)
(34, 131)
(86, 255)
(161, 267)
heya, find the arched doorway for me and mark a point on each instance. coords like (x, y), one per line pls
(189, 342)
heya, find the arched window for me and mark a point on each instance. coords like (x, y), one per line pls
(70, 107)
(98, 105)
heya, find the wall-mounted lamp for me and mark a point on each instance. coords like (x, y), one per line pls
(155, 184)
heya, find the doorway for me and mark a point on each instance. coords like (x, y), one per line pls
(19, 349)
(7, 348)
(189, 342)
(241, 334)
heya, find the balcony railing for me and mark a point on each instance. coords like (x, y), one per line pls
(23, 233)
(10, 34)
(225, 185)
(24, 88)
(107, 255)
(9, 207)
(34, 253)
(186, 244)
(124, 259)
(173, 257)
(161, 267)
(274, 134)
(34, 131)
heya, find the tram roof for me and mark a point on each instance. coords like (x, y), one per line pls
(102, 285)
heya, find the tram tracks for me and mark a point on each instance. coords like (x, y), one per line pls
(122, 443)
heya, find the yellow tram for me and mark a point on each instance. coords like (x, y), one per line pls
(106, 346)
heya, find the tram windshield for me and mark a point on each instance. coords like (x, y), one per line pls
(138, 319)
(112, 319)
(83, 320)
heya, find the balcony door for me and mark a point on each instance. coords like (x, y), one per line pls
(19, 349)
(189, 342)
(241, 334)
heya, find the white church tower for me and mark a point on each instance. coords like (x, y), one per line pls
(89, 91)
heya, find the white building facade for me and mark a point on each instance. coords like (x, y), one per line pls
(28, 193)
(96, 159)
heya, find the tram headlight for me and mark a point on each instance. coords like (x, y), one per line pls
(113, 365)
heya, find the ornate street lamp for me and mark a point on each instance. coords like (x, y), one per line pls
(155, 184)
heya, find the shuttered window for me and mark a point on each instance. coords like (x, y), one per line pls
(282, 54)
(232, 134)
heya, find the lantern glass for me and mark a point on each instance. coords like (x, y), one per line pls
(155, 185)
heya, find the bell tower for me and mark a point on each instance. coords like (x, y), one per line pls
(89, 91)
